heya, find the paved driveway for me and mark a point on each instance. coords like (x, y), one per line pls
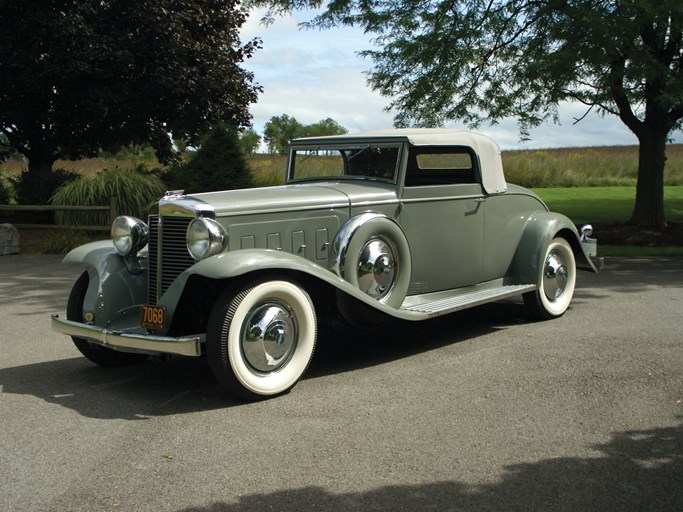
(481, 410)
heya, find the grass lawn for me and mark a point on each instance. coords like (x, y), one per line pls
(613, 205)
(606, 204)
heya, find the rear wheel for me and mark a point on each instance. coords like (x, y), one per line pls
(99, 355)
(556, 284)
(261, 338)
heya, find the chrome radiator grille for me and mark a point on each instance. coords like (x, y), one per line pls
(168, 256)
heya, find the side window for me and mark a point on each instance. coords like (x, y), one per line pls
(440, 166)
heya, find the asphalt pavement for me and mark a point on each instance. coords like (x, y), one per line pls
(480, 410)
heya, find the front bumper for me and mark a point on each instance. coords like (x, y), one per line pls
(188, 346)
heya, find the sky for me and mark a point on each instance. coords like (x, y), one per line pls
(312, 75)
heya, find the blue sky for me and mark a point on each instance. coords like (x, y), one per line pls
(312, 75)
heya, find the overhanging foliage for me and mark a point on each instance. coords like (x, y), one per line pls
(484, 60)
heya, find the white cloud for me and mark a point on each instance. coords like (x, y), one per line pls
(312, 75)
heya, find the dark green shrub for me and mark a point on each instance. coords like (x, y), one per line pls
(218, 165)
(135, 191)
(32, 188)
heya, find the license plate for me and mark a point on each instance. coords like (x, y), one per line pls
(153, 317)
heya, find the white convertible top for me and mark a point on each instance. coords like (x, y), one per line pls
(488, 151)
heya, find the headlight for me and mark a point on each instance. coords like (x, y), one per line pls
(129, 235)
(205, 237)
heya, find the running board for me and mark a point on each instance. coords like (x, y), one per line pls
(454, 303)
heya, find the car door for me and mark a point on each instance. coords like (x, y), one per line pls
(442, 215)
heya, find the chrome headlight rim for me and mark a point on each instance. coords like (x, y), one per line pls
(205, 238)
(129, 235)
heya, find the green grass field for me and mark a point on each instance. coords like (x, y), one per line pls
(612, 205)
(605, 204)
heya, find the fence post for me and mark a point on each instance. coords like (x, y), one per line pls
(113, 209)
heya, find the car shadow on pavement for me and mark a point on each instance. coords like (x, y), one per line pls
(185, 385)
(634, 471)
(346, 348)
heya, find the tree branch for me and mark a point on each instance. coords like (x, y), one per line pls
(618, 93)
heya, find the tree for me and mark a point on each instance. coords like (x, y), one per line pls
(484, 60)
(279, 131)
(250, 141)
(6, 150)
(217, 165)
(77, 76)
(324, 127)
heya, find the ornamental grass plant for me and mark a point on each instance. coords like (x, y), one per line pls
(135, 190)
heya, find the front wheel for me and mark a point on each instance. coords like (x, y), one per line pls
(556, 284)
(99, 355)
(261, 337)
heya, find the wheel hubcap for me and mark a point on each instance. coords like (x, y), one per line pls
(377, 268)
(555, 276)
(269, 336)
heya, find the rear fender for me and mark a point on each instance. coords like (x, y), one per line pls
(539, 231)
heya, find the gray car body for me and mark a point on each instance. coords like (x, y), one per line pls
(461, 237)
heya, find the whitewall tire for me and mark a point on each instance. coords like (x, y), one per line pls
(261, 338)
(556, 282)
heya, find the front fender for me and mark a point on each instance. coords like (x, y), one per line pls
(235, 264)
(114, 292)
(90, 254)
(539, 230)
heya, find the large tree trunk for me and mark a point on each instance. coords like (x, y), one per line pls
(38, 184)
(40, 164)
(649, 207)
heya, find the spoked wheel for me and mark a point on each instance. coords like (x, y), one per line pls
(556, 285)
(95, 353)
(261, 338)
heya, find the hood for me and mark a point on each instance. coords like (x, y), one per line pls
(308, 196)
(272, 199)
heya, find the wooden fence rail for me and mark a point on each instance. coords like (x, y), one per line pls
(112, 209)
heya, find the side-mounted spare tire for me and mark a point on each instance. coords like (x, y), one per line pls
(371, 252)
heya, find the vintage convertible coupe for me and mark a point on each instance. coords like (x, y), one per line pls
(404, 223)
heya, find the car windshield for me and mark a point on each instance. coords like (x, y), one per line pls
(361, 161)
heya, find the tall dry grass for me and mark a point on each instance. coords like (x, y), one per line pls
(585, 167)
(563, 167)
(84, 167)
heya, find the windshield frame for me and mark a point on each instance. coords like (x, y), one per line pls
(342, 150)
